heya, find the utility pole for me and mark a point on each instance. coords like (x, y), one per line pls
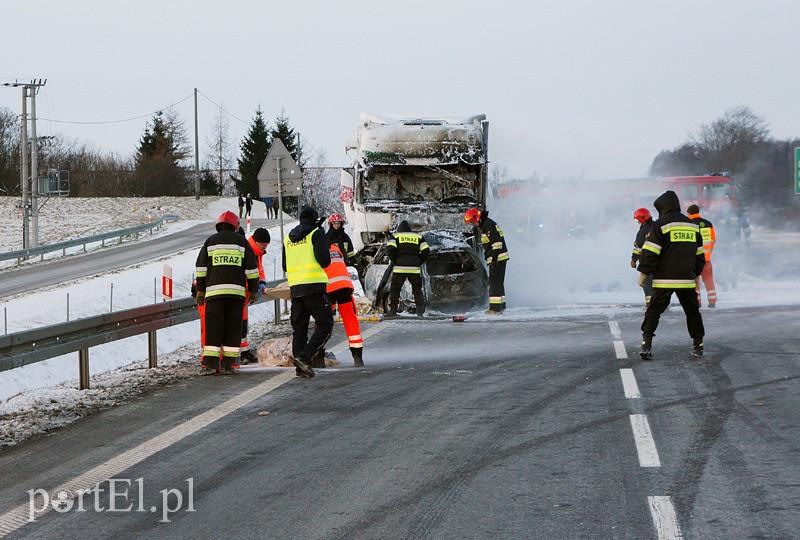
(196, 153)
(34, 173)
(23, 180)
(29, 183)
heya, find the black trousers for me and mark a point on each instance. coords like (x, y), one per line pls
(659, 302)
(416, 287)
(303, 309)
(223, 331)
(497, 288)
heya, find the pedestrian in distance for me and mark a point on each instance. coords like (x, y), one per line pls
(226, 271)
(709, 235)
(645, 220)
(337, 235)
(495, 252)
(340, 293)
(258, 241)
(673, 253)
(268, 207)
(275, 206)
(248, 204)
(241, 206)
(305, 257)
(408, 252)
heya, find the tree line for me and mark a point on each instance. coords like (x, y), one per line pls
(162, 162)
(739, 143)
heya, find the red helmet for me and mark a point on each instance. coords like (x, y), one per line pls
(641, 215)
(473, 215)
(228, 217)
(336, 218)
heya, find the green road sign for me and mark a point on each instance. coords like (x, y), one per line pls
(797, 171)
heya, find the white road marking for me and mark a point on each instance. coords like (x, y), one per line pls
(629, 384)
(619, 348)
(645, 445)
(615, 331)
(664, 518)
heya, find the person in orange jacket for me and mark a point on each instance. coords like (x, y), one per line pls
(258, 241)
(709, 241)
(340, 292)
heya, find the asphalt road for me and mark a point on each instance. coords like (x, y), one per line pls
(472, 430)
(74, 267)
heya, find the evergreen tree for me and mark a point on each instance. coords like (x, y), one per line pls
(157, 168)
(253, 152)
(286, 133)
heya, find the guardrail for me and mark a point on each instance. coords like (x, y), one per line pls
(31, 346)
(40, 251)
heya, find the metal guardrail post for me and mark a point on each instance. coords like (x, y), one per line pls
(277, 308)
(152, 349)
(83, 366)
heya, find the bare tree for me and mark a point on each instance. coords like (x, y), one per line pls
(729, 142)
(219, 150)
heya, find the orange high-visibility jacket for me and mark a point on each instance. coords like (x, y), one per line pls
(338, 276)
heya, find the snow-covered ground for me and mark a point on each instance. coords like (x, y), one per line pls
(64, 218)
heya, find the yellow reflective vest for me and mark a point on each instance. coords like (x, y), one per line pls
(302, 267)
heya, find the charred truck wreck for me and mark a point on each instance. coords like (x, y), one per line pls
(427, 171)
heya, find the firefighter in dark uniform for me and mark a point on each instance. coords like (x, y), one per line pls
(407, 251)
(496, 253)
(305, 257)
(226, 271)
(645, 220)
(673, 254)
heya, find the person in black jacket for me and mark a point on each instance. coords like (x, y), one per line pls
(336, 235)
(407, 251)
(645, 220)
(495, 252)
(673, 254)
(305, 256)
(226, 269)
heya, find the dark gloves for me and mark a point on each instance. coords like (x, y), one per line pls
(262, 286)
(200, 298)
(252, 298)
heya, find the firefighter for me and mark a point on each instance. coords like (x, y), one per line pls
(340, 293)
(496, 253)
(673, 254)
(645, 220)
(336, 235)
(226, 271)
(709, 240)
(407, 251)
(305, 257)
(259, 241)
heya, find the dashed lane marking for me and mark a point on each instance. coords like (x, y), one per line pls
(619, 348)
(664, 518)
(645, 445)
(615, 331)
(629, 384)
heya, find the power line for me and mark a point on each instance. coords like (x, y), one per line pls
(223, 109)
(117, 121)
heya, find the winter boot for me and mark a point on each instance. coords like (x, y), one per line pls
(647, 347)
(248, 357)
(228, 370)
(358, 360)
(697, 348)
(208, 371)
(303, 369)
(318, 360)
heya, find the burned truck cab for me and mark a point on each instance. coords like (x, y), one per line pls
(427, 171)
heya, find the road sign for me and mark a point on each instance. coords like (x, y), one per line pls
(797, 171)
(289, 174)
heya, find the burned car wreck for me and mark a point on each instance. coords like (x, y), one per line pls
(455, 276)
(427, 171)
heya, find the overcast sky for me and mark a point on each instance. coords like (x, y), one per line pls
(569, 87)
